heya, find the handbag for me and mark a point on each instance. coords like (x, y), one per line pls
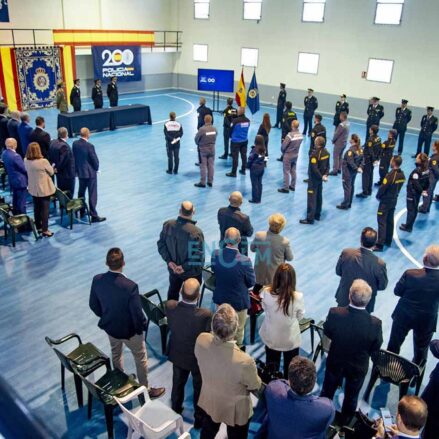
(255, 304)
(267, 372)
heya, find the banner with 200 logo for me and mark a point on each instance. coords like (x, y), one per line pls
(124, 62)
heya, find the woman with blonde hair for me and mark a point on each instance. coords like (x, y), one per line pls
(40, 186)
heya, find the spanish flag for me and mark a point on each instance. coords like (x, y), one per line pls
(240, 95)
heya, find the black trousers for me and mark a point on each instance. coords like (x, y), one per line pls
(211, 428)
(173, 157)
(273, 357)
(279, 114)
(226, 134)
(400, 137)
(314, 208)
(384, 167)
(19, 201)
(41, 212)
(385, 224)
(66, 185)
(348, 186)
(256, 175)
(179, 380)
(91, 185)
(367, 177)
(352, 387)
(426, 203)
(424, 139)
(239, 149)
(175, 283)
(307, 119)
(412, 209)
(113, 102)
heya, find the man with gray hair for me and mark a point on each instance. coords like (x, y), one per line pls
(62, 160)
(205, 140)
(417, 307)
(228, 374)
(355, 336)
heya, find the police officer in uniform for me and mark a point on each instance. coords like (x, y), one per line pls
(97, 95)
(341, 105)
(75, 96)
(386, 154)
(239, 141)
(403, 116)
(371, 151)
(388, 197)
(428, 127)
(202, 110)
(318, 131)
(280, 105)
(375, 113)
(228, 113)
(350, 166)
(288, 116)
(173, 133)
(433, 165)
(310, 106)
(318, 173)
(112, 92)
(416, 186)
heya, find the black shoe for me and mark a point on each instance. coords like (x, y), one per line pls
(333, 173)
(361, 195)
(306, 180)
(168, 171)
(338, 172)
(377, 248)
(404, 228)
(303, 133)
(413, 156)
(306, 221)
(292, 188)
(199, 185)
(280, 159)
(378, 183)
(47, 234)
(231, 174)
(422, 211)
(175, 172)
(198, 424)
(209, 184)
(241, 171)
(253, 202)
(98, 219)
(197, 164)
(223, 157)
(342, 207)
(317, 218)
(283, 190)
(436, 198)
(156, 392)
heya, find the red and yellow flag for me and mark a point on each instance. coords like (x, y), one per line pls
(240, 95)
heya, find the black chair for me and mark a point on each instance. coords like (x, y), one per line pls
(208, 282)
(324, 343)
(306, 324)
(71, 206)
(156, 313)
(394, 369)
(86, 358)
(3, 174)
(15, 222)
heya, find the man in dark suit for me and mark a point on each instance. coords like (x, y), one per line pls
(41, 136)
(232, 216)
(17, 176)
(75, 96)
(61, 158)
(361, 263)
(87, 166)
(97, 95)
(3, 126)
(234, 277)
(112, 92)
(24, 131)
(186, 322)
(417, 307)
(355, 335)
(115, 300)
(12, 126)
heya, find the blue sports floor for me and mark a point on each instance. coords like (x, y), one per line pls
(45, 284)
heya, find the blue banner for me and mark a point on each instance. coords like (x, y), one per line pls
(124, 62)
(253, 95)
(4, 11)
(215, 80)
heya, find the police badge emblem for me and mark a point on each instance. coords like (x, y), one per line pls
(41, 79)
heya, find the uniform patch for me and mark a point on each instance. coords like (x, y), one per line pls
(383, 145)
(313, 134)
(313, 160)
(349, 153)
(434, 162)
(379, 213)
(415, 176)
(385, 180)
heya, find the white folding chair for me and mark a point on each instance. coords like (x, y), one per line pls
(153, 420)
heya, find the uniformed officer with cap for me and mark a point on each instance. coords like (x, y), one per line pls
(318, 173)
(281, 99)
(375, 113)
(341, 105)
(386, 154)
(310, 106)
(371, 151)
(433, 166)
(228, 113)
(318, 130)
(428, 127)
(403, 116)
(388, 197)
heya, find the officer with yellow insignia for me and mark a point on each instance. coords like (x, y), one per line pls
(370, 158)
(388, 197)
(433, 165)
(341, 105)
(288, 116)
(318, 131)
(350, 166)
(318, 173)
(310, 104)
(403, 116)
(228, 114)
(429, 125)
(375, 112)
(386, 155)
(280, 105)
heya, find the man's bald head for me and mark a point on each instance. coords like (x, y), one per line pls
(232, 237)
(235, 199)
(85, 132)
(187, 209)
(11, 143)
(190, 290)
(241, 111)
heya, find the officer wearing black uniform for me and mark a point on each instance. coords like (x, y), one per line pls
(288, 116)
(228, 113)
(318, 131)
(371, 151)
(416, 186)
(202, 110)
(310, 106)
(375, 113)
(173, 133)
(97, 95)
(388, 197)
(433, 165)
(403, 116)
(318, 173)
(112, 92)
(386, 154)
(340, 106)
(75, 96)
(281, 99)
(350, 166)
(428, 127)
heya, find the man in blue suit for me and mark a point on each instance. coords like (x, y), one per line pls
(24, 132)
(234, 277)
(17, 176)
(87, 166)
(12, 126)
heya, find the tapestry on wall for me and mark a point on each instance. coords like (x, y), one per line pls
(39, 69)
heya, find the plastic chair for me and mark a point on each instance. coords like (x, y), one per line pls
(208, 282)
(13, 222)
(86, 357)
(394, 369)
(324, 343)
(71, 206)
(156, 313)
(153, 420)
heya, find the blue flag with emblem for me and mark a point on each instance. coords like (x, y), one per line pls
(253, 95)
(4, 11)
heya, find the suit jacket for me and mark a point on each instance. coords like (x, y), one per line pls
(431, 397)
(229, 375)
(42, 138)
(86, 160)
(115, 299)
(39, 172)
(360, 263)
(186, 322)
(233, 217)
(61, 155)
(355, 335)
(234, 276)
(12, 126)
(24, 132)
(17, 174)
(4, 134)
(292, 416)
(418, 290)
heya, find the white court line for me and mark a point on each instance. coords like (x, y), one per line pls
(399, 243)
(181, 115)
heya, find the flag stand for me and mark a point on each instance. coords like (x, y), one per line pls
(215, 105)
